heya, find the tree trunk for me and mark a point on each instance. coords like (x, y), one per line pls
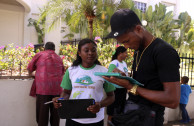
(90, 20)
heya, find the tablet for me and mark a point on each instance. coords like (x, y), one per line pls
(133, 81)
(75, 108)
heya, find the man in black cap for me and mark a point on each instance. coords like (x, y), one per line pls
(156, 65)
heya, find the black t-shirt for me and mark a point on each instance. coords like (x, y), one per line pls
(159, 63)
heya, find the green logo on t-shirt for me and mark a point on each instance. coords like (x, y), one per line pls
(85, 80)
(125, 69)
(75, 94)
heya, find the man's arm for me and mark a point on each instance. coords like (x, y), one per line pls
(169, 97)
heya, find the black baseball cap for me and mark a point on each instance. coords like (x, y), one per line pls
(121, 21)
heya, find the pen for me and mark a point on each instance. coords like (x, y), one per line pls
(52, 101)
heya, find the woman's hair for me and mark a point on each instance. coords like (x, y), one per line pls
(78, 58)
(120, 49)
(184, 79)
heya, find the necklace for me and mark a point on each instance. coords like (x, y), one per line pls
(137, 63)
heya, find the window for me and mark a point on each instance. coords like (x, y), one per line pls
(140, 5)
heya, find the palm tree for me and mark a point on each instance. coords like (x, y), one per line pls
(87, 17)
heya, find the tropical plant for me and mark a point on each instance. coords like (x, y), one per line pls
(161, 23)
(40, 28)
(89, 18)
(190, 39)
(184, 23)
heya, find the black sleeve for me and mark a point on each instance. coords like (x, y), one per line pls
(168, 65)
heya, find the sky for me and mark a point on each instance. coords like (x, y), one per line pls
(187, 5)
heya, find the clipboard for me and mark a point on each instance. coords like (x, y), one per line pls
(109, 74)
(75, 108)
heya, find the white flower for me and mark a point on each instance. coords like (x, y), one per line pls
(144, 22)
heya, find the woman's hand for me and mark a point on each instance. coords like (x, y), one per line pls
(119, 71)
(56, 103)
(94, 108)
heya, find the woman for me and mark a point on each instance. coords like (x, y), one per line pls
(118, 65)
(79, 82)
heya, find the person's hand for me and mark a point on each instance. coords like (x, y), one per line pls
(119, 71)
(56, 103)
(121, 82)
(94, 108)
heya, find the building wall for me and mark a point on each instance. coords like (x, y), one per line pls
(11, 24)
(168, 3)
(30, 34)
(17, 108)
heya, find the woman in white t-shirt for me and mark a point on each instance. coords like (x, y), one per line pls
(79, 82)
(118, 65)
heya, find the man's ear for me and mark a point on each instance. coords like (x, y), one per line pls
(139, 28)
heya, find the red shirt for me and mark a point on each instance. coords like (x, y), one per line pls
(49, 72)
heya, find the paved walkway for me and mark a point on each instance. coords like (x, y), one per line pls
(177, 123)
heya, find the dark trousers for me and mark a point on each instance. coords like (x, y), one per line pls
(118, 105)
(185, 116)
(42, 111)
(70, 122)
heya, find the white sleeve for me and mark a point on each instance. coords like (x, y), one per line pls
(115, 62)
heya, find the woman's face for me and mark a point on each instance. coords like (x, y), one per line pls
(123, 55)
(88, 53)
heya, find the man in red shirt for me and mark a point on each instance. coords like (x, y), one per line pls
(49, 73)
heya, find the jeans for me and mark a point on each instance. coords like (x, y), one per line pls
(185, 116)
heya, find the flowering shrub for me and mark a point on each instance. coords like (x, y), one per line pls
(68, 53)
(15, 59)
(105, 52)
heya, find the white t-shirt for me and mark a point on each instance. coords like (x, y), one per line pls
(85, 85)
(122, 66)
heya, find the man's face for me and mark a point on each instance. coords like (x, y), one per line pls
(132, 39)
